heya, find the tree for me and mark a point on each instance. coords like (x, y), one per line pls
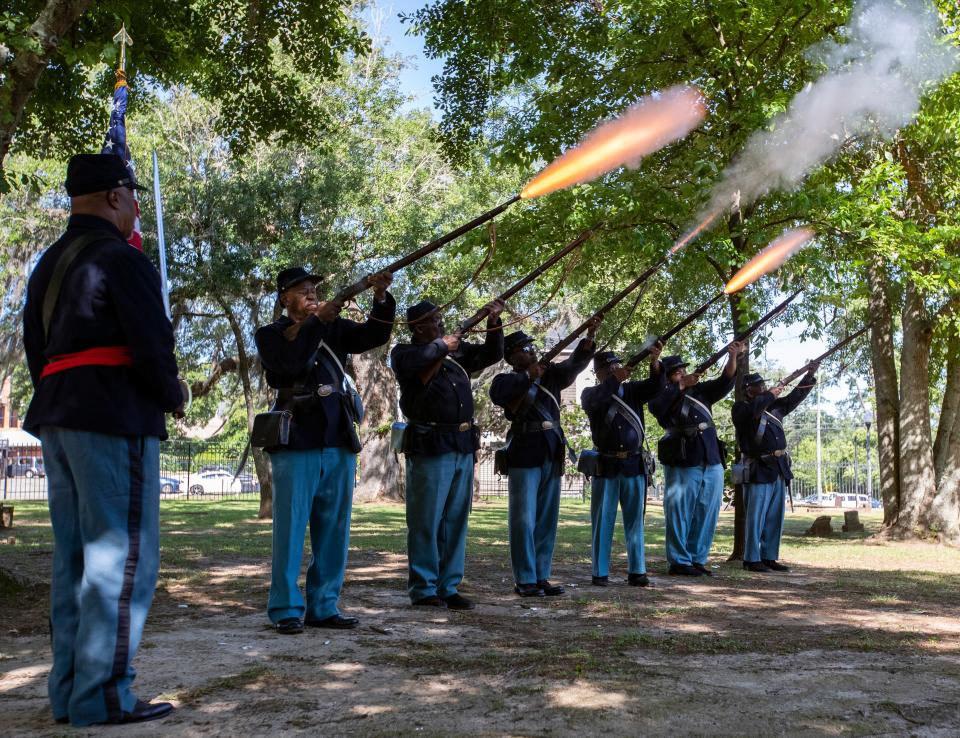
(54, 80)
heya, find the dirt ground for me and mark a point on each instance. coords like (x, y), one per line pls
(820, 651)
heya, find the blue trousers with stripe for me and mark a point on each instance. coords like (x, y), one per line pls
(534, 502)
(605, 496)
(691, 505)
(312, 486)
(104, 496)
(439, 490)
(764, 520)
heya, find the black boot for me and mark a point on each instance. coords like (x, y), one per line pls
(600, 581)
(638, 580)
(771, 564)
(755, 566)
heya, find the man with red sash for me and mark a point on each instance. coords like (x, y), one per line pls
(100, 351)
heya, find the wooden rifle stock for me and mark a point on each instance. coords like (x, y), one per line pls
(643, 354)
(746, 333)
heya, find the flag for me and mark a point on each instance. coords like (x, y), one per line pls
(116, 143)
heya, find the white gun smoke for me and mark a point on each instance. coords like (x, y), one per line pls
(894, 51)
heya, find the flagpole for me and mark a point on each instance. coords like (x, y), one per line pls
(161, 241)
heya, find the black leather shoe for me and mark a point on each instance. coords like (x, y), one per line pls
(684, 571)
(771, 564)
(457, 601)
(528, 590)
(702, 569)
(638, 580)
(550, 590)
(431, 601)
(755, 566)
(144, 711)
(600, 581)
(62, 720)
(290, 626)
(338, 622)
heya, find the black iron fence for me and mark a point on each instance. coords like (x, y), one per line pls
(207, 470)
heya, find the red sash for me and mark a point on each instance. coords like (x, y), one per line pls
(99, 356)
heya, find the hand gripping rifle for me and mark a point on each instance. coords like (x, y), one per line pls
(746, 333)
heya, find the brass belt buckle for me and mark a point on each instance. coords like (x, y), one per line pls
(324, 390)
(465, 426)
(546, 425)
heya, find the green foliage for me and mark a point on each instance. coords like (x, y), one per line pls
(245, 55)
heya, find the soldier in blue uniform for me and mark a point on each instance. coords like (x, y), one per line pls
(439, 444)
(100, 351)
(758, 419)
(530, 397)
(692, 460)
(313, 474)
(615, 409)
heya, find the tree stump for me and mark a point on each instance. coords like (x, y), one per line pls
(851, 522)
(6, 516)
(821, 527)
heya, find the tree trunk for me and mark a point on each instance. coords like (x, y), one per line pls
(260, 461)
(949, 424)
(886, 389)
(917, 476)
(743, 368)
(55, 20)
(380, 469)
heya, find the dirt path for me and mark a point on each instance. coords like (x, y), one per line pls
(807, 653)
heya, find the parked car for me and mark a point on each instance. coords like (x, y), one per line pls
(169, 485)
(221, 482)
(852, 500)
(814, 501)
(26, 466)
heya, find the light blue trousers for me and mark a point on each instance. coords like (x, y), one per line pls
(104, 496)
(439, 490)
(764, 524)
(534, 501)
(606, 494)
(691, 504)
(312, 486)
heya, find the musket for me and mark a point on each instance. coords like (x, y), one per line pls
(564, 342)
(348, 293)
(482, 313)
(826, 354)
(746, 333)
(664, 337)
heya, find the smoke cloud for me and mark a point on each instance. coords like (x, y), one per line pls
(893, 52)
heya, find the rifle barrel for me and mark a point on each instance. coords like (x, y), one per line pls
(746, 333)
(643, 354)
(360, 285)
(564, 342)
(475, 319)
(805, 368)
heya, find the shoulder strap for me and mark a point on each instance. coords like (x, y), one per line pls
(64, 261)
(761, 430)
(619, 407)
(703, 407)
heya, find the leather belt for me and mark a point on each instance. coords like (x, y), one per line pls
(445, 427)
(533, 427)
(689, 430)
(619, 454)
(778, 452)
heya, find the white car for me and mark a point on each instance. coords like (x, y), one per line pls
(216, 482)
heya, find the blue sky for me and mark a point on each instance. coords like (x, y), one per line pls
(785, 347)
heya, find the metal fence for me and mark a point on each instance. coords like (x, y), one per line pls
(210, 470)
